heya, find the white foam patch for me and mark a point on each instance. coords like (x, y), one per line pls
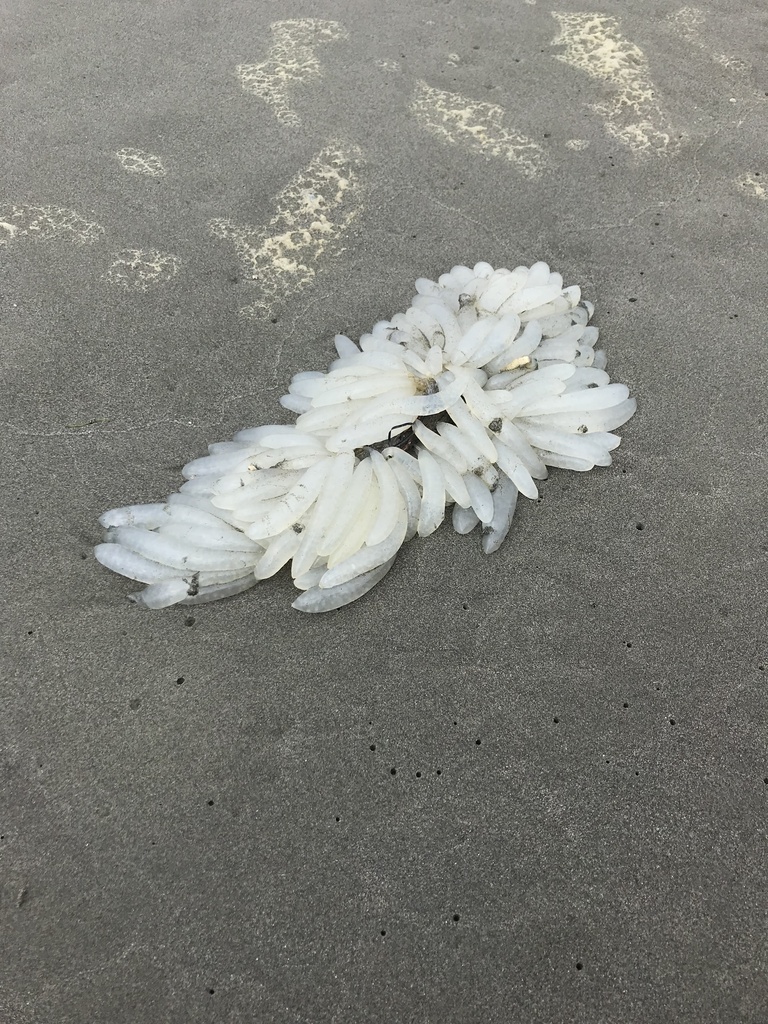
(135, 161)
(142, 269)
(751, 185)
(476, 126)
(313, 212)
(292, 59)
(594, 44)
(688, 22)
(46, 222)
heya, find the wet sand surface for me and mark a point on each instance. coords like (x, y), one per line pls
(522, 788)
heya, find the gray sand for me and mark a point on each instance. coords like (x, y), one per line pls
(527, 788)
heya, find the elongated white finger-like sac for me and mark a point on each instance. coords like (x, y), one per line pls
(419, 321)
(364, 387)
(383, 416)
(504, 380)
(409, 463)
(368, 557)
(217, 465)
(204, 504)
(471, 341)
(553, 326)
(504, 502)
(472, 430)
(432, 495)
(351, 509)
(439, 446)
(513, 402)
(181, 591)
(498, 341)
(582, 446)
(429, 323)
(426, 287)
(587, 400)
(181, 555)
(449, 326)
(490, 476)
(415, 363)
(414, 339)
(464, 519)
(161, 595)
(365, 364)
(562, 304)
(360, 528)
(531, 297)
(286, 441)
(328, 419)
(327, 507)
(551, 374)
(476, 462)
(248, 503)
(483, 408)
(570, 335)
(253, 435)
(199, 486)
(605, 439)
(480, 497)
(280, 550)
(133, 566)
(217, 591)
(455, 488)
(311, 578)
(307, 384)
(221, 538)
(515, 440)
(585, 377)
(601, 420)
(210, 579)
(539, 274)
(428, 404)
(511, 466)
(282, 458)
(295, 402)
(556, 349)
(411, 496)
(316, 600)
(433, 364)
(148, 516)
(288, 508)
(523, 345)
(267, 483)
(345, 346)
(178, 514)
(391, 503)
(501, 287)
(567, 462)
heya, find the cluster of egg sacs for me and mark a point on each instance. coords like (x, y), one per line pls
(465, 400)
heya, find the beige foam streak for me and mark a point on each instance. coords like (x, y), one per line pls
(292, 59)
(313, 212)
(688, 21)
(136, 161)
(46, 222)
(476, 126)
(751, 185)
(142, 269)
(594, 44)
